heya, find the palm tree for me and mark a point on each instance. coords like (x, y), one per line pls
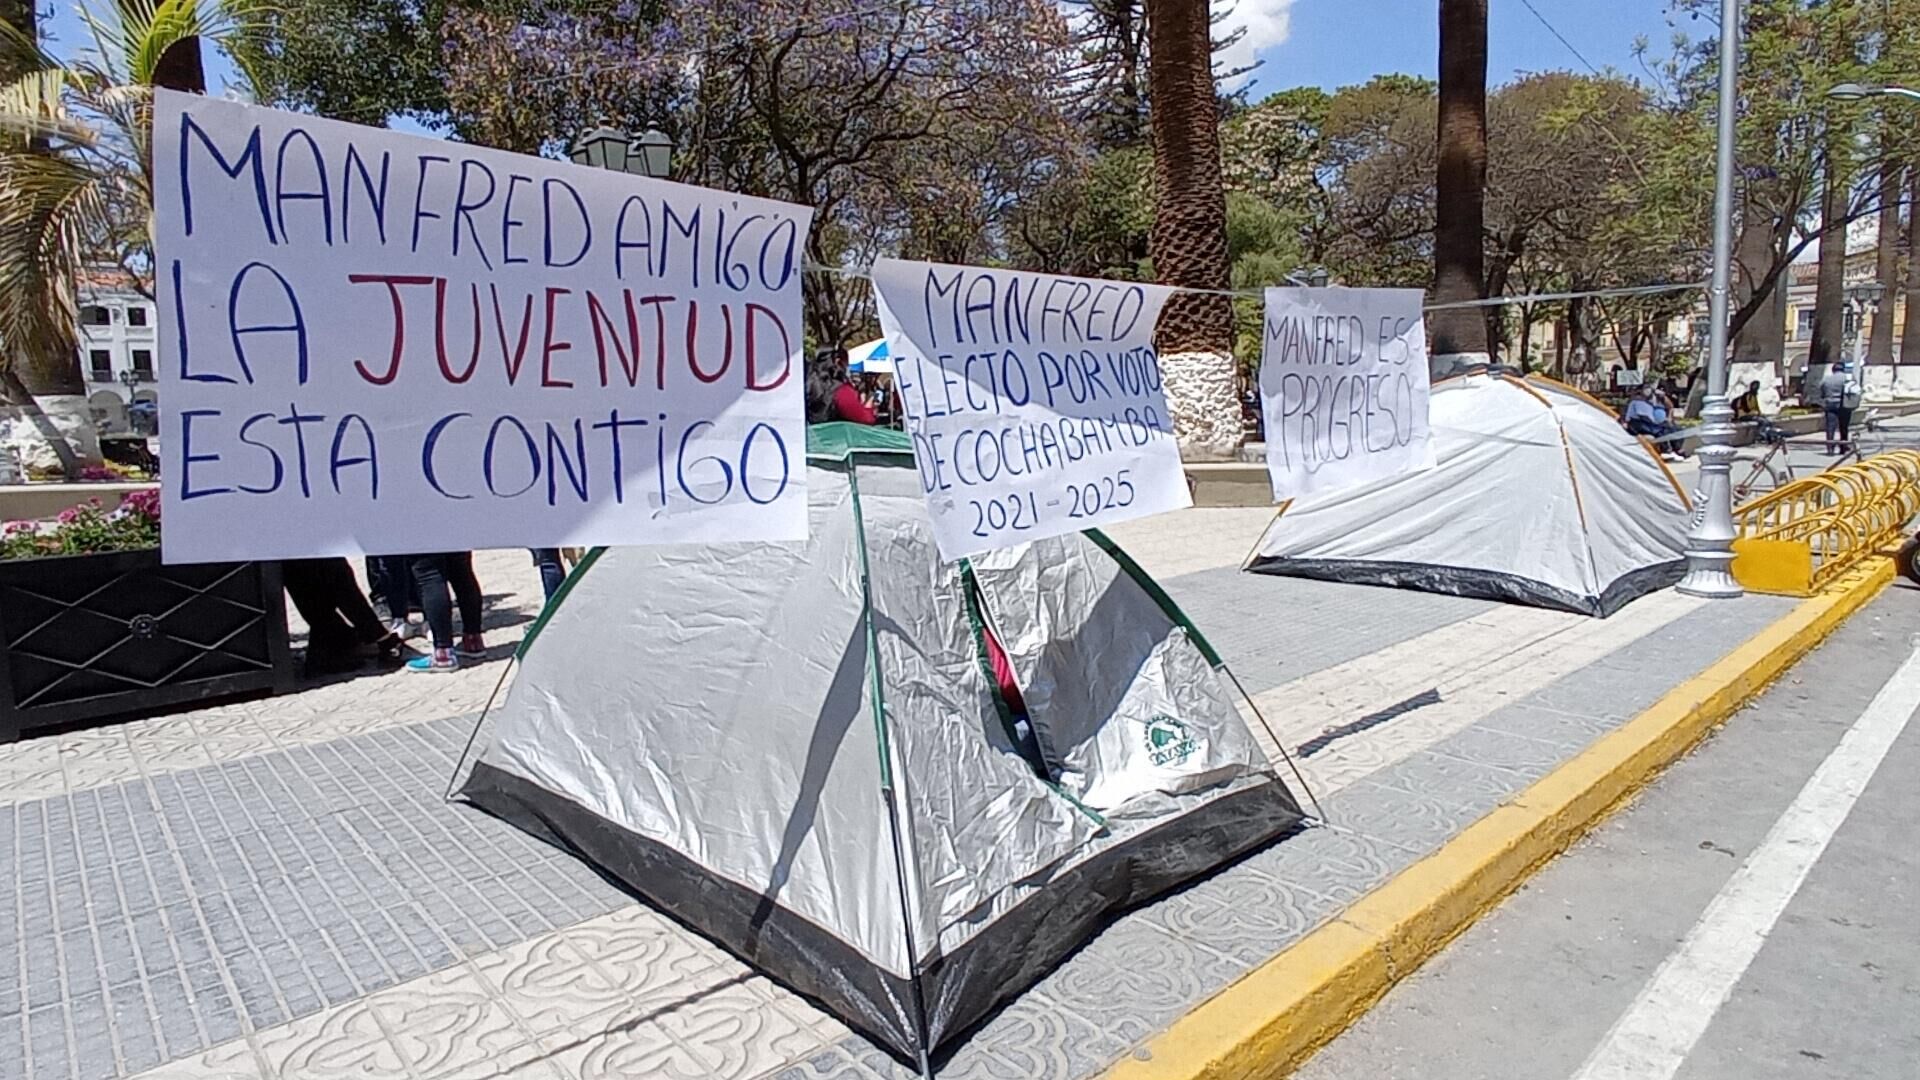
(1460, 334)
(76, 171)
(1189, 237)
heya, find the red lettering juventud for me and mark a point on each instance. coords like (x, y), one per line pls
(786, 348)
(440, 332)
(693, 345)
(526, 327)
(393, 283)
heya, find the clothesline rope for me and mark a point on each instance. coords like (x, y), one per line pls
(855, 274)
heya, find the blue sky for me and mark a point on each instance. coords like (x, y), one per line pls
(1334, 43)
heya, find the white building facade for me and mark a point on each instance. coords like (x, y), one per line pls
(118, 351)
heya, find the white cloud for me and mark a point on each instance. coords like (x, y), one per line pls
(1267, 24)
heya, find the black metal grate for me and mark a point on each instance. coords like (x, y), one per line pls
(82, 628)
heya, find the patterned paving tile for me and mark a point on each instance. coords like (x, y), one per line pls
(1030, 1039)
(1522, 755)
(834, 1063)
(1326, 624)
(1534, 721)
(1241, 915)
(1450, 779)
(447, 1022)
(1333, 863)
(274, 889)
(1136, 977)
(1412, 823)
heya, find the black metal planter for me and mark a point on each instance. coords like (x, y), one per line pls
(86, 637)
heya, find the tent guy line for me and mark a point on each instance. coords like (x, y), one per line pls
(859, 274)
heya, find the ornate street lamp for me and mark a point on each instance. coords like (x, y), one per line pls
(1848, 91)
(649, 154)
(654, 151)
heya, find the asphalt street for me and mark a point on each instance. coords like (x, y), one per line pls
(1753, 914)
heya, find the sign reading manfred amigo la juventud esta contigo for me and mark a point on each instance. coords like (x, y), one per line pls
(1343, 388)
(376, 342)
(1034, 401)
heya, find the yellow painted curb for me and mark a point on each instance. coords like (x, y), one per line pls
(1277, 1015)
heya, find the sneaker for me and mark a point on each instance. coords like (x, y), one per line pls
(473, 647)
(433, 664)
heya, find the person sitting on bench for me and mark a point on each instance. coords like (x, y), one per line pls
(1646, 418)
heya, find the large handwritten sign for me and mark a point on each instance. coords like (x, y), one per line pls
(376, 342)
(1343, 387)
(1034, 401)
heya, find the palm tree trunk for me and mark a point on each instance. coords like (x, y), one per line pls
(1763, 340)
(12, 389)
(1460, 334)
(1189, 236)
(1886, 265)
(1830, 299)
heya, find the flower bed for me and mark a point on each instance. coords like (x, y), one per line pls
(92, 625)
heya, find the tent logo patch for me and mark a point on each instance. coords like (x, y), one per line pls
(1169, 743)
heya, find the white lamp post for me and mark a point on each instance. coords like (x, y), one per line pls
(1710, 540)
(1864, 299)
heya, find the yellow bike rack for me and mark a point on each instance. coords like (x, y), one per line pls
(1795, 539)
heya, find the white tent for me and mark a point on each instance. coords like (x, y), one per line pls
(800, 749)
(1537, 496)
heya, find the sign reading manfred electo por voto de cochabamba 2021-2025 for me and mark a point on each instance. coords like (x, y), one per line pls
(1035, 401)
(384, 343)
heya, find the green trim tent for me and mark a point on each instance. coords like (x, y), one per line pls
(799, 750)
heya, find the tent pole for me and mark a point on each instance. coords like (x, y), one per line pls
(454, 780)
(1282, 747)
(889, 793)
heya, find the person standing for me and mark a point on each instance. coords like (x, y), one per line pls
(437, 574)
(830, 394)
(390, 581)
(1838, 396)
(552, 572)
(342, 628)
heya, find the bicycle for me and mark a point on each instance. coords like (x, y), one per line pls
(1867, 440)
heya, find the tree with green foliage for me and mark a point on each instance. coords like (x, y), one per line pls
(76, 171)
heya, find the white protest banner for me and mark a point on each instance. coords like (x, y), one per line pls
(384, 343)
(1343, 388)
(1034, 400)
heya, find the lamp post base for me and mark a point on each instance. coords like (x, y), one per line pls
(1710, 540)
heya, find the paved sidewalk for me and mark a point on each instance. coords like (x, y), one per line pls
(276, 889)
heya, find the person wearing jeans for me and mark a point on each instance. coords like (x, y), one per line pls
(1838, 395)
(436, 574)
(390, 580)
(552, 571)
